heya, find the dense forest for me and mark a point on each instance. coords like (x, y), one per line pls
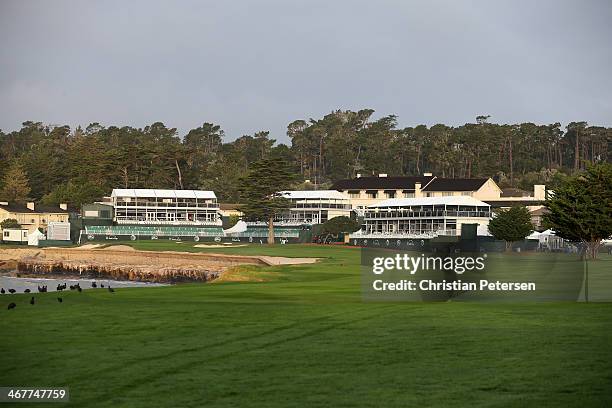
(80, 165)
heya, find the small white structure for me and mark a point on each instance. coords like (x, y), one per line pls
(15, 235)
(240, 226)
(58, 231)
(425, 217)
(548, 240)
(35, 237)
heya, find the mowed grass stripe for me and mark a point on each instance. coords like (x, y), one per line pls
(304, 337)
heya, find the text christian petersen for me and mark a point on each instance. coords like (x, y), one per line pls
(458, 265)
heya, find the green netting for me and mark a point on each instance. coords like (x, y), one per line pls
(153, 231)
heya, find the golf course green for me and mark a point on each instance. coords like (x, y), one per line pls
(301, 336)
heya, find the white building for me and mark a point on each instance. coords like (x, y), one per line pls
(15, 235)
(314, 207)
(423, 217)
(170, 207)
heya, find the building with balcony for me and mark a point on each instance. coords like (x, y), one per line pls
(165, 207)
(313, 207)
(365, 191)
(425, 217)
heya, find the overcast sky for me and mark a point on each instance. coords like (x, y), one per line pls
(258, 65)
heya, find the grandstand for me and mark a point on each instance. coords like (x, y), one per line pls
(313, 207)
(422, 218)
(165, 207)
(152, 231)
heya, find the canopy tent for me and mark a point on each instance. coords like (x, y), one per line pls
(34, 237)
(240, 226)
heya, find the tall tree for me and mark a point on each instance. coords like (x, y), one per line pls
(260, 191)
(581, 208)
(15, 186)
(511, 225)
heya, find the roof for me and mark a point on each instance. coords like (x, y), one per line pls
(514, 192)
(38, 209)
(150, 193)
(447, 200)
(458, 184)
(229, 206)
(524, 201)
(382, 183)
(314, 194)
(539, 211)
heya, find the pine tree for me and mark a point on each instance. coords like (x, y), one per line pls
(259, 191)
(511, 225)
(16, 186)
(581, 208)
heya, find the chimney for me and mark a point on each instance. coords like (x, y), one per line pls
(427, 174)
(382, 175)
(64, 206)
(30, 206)
(539, 191)
(417, 190)
(358, 175)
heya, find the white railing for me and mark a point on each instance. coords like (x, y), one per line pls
(400, 235)
(187, 223)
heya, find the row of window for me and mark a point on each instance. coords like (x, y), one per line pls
(373, 194)
(425, 214)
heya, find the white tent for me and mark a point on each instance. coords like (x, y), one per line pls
(34, 237)
(534, 235)
(240, 226)
(483, 231)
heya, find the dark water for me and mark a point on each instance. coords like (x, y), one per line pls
(20, 284)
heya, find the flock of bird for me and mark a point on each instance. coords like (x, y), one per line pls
(59, 288)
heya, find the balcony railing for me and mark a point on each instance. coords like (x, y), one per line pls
(424, 214)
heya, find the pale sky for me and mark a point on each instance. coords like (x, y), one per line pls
(258, 65)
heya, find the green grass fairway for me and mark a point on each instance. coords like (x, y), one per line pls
(304, 338)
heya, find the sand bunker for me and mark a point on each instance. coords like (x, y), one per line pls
(281, 260)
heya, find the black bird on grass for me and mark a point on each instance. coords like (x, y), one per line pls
(11, 306)
(26, 291)
(101, 285)
(12, 291)
(79, 289)
(32, 300)
(93, 285)
(60, 300)
(2, 291)
(111, 290)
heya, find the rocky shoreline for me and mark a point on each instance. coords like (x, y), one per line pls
(139, 266)
(135, 273)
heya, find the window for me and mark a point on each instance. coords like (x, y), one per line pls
(372, 193)
(6, 234)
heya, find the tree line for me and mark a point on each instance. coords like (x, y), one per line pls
(60, 164)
